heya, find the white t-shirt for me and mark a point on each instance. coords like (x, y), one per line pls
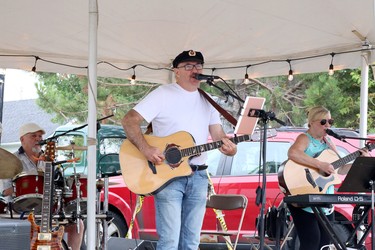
(171, 109)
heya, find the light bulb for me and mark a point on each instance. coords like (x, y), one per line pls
(246, 81)
(133, 81)
(290, 76)
(331, 71)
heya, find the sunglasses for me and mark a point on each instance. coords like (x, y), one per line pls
(324, 121)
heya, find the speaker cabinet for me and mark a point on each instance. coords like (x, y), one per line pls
(14, 234)
(115, 243)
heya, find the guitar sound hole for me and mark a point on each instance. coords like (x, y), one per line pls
(173, 155)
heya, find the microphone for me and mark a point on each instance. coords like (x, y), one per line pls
(205, 77)
(338, 137)
(42, 142)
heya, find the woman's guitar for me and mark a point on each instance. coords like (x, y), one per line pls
(42, 237)
(144, 178)
(296, 179)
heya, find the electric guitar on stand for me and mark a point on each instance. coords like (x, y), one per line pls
(43, 237)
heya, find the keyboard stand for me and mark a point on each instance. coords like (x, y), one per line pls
(318, 201)
(361, 178)
(326, 224)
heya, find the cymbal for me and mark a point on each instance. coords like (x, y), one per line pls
(71, 147)
(10, 165)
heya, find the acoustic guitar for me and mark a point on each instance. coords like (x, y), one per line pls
(144, 178)
(43, 237)
(295, 178)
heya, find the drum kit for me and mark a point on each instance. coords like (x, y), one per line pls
(69, 193)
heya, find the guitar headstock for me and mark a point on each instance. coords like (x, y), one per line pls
(50, 151)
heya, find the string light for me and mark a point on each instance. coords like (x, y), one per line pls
(34, 67)
(290, 75)
(246, 80)
(331, 70)
(132, 80)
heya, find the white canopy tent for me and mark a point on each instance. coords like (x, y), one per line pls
(110, 36)
(228, 32)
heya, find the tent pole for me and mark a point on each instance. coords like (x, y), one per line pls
(91, 120)
(364, 93)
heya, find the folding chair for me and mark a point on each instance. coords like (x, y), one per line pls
(227, 202)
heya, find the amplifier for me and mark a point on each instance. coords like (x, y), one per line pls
(14, 234)
(115, 243)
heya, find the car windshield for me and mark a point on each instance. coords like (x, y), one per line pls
(246, 161)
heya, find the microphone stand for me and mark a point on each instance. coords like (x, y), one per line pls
(265, 117)
(45, 141)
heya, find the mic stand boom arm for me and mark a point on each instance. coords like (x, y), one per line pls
(45, 141)
(225, 92)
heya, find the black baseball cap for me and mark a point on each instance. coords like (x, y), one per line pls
(188, 56)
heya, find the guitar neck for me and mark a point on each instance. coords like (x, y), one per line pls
(350, 157)
(46, 219)
(211, 146)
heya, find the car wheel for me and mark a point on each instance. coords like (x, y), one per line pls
(116, 228)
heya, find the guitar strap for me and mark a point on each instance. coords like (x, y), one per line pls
(138, 207)
(222, 111)
(329, 143)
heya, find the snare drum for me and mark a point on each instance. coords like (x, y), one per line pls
(29, 192)
(70, 200)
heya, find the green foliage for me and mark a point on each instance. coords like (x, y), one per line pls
(66, 96)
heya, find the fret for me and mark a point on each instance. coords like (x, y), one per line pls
(350, 157)
(195, 150)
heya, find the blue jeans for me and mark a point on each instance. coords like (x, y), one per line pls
(180, 208)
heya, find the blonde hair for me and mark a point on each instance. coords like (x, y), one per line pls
(316, 113)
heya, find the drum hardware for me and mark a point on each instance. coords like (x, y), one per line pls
(102, 213)
(10, 165)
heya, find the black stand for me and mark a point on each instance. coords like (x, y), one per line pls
(361, 178)
(265, 117)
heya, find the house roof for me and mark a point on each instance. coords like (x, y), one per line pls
(17, 113)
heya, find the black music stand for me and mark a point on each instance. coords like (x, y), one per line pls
(361, 178)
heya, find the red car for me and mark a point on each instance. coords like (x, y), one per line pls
(240, 174)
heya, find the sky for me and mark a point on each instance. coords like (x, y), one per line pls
(19, 85)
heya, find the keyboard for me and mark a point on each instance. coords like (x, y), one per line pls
(327, 199)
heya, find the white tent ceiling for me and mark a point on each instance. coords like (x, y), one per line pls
(230, 33)
(152, 33)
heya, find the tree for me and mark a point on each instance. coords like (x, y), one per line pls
(66, 96)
